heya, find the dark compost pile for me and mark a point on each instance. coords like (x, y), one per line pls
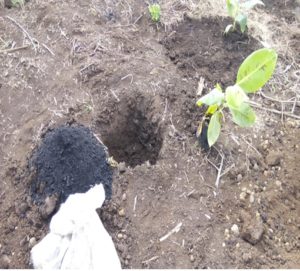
(69, 160)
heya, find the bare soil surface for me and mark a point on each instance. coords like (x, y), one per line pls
(286, 10)
(105, 65)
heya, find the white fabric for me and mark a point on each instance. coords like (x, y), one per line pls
(77, 238)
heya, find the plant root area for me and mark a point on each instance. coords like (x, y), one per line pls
(93, 91)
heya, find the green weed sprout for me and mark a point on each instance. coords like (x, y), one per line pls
(17, 3)
(252, 75)
(234, 11)
(154, 10)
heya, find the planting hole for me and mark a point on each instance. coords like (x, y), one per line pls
(199, 48)
(134, 135)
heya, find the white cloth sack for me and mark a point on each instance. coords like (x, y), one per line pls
(77, 238)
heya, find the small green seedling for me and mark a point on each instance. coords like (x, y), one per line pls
(234, 11)
(252, 75)
(17, 3)
(154, 10)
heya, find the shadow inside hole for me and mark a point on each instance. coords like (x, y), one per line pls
(134, 137)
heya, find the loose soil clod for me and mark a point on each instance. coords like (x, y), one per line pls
(70, 160)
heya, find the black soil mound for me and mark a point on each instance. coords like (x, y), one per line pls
(70, 160)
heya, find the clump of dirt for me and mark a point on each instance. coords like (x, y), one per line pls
(134, 136)
(199, 48)
(70, 160)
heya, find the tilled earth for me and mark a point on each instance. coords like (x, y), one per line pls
(134, 84)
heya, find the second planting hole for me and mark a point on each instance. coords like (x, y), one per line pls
(134, 135)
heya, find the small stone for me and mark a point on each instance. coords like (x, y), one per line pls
(120, 247)
(291, 123)
(126, 262)
(288, 247)
(251, 198)
(278, 183)
(273, 158)
(120, 235)
(192, 258)
(32, 242)
(23, 241)
(195, 195)
(247, 257)
(226, 234)
(122, 167)
(243, 196)
(239, 177)
(252, 230)
(128, 257)
(4, 262)
(235, 230)
(124, 197)
(256, 167)
(265, 144)
(271, 231)
(49, 206)
(122, 212)
(22, 208)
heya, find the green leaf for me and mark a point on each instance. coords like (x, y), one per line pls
(251, 4)
(218, 87)
(213, 97)
(18, 3)
(232, 7)
(256, 70)
(235, 97)
(214, 128)
(242, 21)
(211, 109)
(243, 116)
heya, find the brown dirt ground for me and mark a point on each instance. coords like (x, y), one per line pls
(104, 64)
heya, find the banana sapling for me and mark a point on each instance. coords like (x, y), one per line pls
(252, 75)
(234, 10)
